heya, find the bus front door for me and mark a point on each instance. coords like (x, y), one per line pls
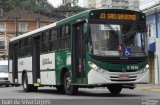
(15, 63)
(36, 60)
(78, 54)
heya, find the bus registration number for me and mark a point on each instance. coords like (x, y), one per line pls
(124, 77)
(132, 67)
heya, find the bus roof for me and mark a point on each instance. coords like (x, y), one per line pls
(33, 32)
(79, 15)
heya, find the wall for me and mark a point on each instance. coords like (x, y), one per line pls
(157, 61)
(151, 19)
(32, 26)
(10, 27)
(10, 33)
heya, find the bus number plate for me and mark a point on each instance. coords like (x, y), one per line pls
(124, 77)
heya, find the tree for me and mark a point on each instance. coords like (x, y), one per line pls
(32, 5)
(67, 11)
(40, 6)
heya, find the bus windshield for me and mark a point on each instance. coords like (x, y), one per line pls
(112, 39)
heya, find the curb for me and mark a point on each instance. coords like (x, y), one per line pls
(150, 89)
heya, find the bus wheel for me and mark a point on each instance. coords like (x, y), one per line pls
(68, 87)
(26, 86)
(114, 88)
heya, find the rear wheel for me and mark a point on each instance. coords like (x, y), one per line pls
(68, 87)
(115, 89)
(27, 87)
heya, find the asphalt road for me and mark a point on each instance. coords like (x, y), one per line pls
(96, 96)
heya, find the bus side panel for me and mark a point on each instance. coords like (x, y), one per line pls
(47, 69)
(10, 77)
(25, 64)
(30, 77)
(48, 78)
(60, 59)
(10, 66)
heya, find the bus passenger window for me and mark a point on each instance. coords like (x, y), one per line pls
(44, 42)
(63, 31)
(20, 53)
(67, 39)
(28, 46)
(53, 45)
(21, 48)
(10, 51)
(67, 30)
(62, 38)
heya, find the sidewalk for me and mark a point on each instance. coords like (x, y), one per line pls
(149, 87)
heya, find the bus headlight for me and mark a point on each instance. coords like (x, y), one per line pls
(147, 66)
(92, 65)
(142, 71)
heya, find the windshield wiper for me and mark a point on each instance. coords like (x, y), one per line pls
(132, 30)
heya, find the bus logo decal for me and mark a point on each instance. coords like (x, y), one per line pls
(21, 63)
(46, 61)
(124, 70)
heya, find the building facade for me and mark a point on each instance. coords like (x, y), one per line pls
(87, 3)
(69, 2)
(134, 5)
(80, 3)
(118, 4)
(114, 4)
(153, 27)
(17, 22)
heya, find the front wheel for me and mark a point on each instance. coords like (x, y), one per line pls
(115, 88)
(68, 87)
(27, 87)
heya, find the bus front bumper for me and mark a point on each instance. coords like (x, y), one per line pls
(106, 77)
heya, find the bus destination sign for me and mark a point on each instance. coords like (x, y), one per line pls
(117, 16)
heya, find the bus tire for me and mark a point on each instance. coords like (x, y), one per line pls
(27, 87)
(68, 87)
(115, 88)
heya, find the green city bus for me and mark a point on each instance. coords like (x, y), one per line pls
(95, 48)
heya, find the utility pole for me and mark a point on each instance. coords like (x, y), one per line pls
(38, 22)
(16, 25)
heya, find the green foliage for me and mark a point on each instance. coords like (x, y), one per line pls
(39, 6)
(68, 11)
(32, 5)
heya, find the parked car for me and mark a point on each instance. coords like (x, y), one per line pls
(4, 73)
